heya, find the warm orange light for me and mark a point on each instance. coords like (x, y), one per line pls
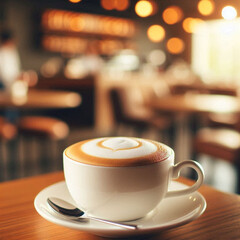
(74, 1)
(59, 20)
(107, 4)
(175, 45)
(229, 12)
(187, 25)
(121, 5)
(206, 7)
(144, 8)
(190, 24)
(172, 14)
(156, 33)
(78, 45)
(76, 24)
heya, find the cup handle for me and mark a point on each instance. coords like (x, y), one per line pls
(176, 172)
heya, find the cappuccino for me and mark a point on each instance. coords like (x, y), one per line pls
(118, 152)
(122, 178)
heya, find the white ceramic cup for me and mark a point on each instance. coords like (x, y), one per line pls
(127, 187)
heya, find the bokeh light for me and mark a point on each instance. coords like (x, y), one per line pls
(157, 57)
(175, 45)
(107, 4)
(206, 7)
(121, 5)
(144, 8)
(61, 21)
(74, 1)
(156, 33)
(229, 12)
(172, 15)
(190, 24)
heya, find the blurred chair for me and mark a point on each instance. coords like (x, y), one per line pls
(221, 143)
(228, 120)
(129, 110)
(218, 120)
(8, 133)
(7, 130)
(46, 131)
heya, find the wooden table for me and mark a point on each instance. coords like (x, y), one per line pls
(38, 99)
(20, 221)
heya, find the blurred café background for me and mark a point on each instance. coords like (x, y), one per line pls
(77, 69)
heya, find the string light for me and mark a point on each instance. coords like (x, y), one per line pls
(119, 5)
(190, 24)
(74, 1)
(229, 12)
(156, 33)
(59, 20)
(143, 8)
(206, 7)
(172, 15)
(107, 4)
(175, 45)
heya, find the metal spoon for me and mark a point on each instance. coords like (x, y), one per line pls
(69, 210)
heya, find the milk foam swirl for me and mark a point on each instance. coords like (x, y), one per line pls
(118, 151)
(118, 148)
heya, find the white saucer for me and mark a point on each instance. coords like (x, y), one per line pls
(171, 212)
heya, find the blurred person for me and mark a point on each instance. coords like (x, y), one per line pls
(10, 66)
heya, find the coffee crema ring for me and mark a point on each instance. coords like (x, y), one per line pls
(118, 152)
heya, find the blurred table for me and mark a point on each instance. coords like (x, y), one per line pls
(196, 103)
(41, 99)
(189, 110)
(19, 219)
(200, 87)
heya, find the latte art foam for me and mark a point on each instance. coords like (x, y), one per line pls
(118, 148)
(119, 143)
(118, 151)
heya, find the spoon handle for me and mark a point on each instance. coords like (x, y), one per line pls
(123, 225)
